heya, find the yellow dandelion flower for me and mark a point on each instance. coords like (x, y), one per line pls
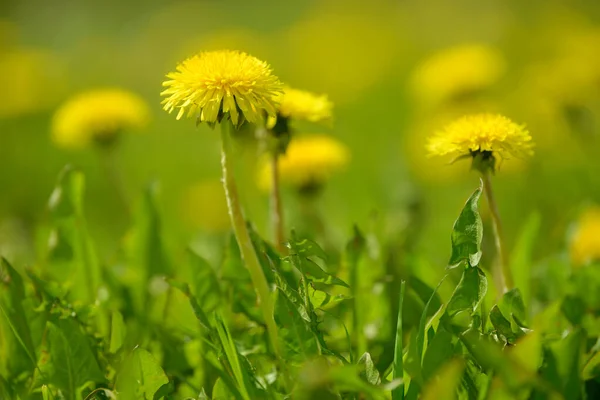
(306, 106)
(585, 243)
(457, 71)
(97, 116)
(212, 84)
(486, 133)
(309, 162)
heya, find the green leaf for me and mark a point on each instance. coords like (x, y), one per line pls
(140, 376)
(206, 284)
(398, 367)
(198, 311)
(117, 332)
(300, 251)
(439, 351)
(446, 384)
(501, 324)
(469, 292)
(521, 256)
(19, 351)
(70, 363)
(239, 372)
(467, 233)
(145, 248)
(591, 369)
(567, 353)
(70, 248)
(573, 309)
(368, 371)
(294, 321)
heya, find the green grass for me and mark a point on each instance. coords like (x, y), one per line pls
(152, 325)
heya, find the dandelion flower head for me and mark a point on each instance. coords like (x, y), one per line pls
(97, 116)
(457, 71)
(309, 162)
(585, 243)
(212, 84)
(303, 105)
(482, 133)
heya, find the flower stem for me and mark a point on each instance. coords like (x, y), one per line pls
(276, 212)
(242, 236)
(107, 161)
(503, 273)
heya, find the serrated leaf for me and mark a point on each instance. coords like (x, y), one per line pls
(469, 292)
(467, 233)
(70, 363)
(297, 338)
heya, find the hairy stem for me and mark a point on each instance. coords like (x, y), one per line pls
(242, 236)
(503, 273)
(276, 212)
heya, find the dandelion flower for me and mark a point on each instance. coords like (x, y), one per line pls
(490, 134)
(585, 243)
(309, 162)
(301, 105)
(97, 116)
(215, 84)
(457, 71)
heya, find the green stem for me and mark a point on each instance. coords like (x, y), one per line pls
(242, 236)
(503, 273)
(398, 372)
(276, 212)
(107, 161)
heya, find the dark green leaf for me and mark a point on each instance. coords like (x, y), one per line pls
(470, 291)
(439, 351)
(467, 233)
(501, 324)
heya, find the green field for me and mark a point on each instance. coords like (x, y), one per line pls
(431, 229)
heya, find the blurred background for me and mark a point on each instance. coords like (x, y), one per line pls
(397, 71)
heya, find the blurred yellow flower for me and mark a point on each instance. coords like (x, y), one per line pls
(303, 105)
(585, 243)
(308, 162)
(31, 80)
(456, 72)
(204, 206)
(481, 133)
(213, 83)
(97, 116)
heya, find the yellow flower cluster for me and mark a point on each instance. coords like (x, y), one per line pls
(309, 161)
(302, 105)
(457, 71)
(97, 116)
(212, 84)
(585, 243)
(481, 132)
